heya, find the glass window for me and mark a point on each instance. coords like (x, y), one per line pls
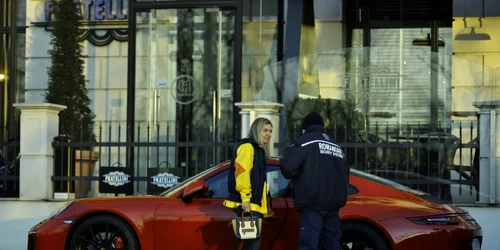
(175, 189)
(260, 78)
(184, 84)
(277, 184)
(217, 186)
(21, 12)
(4, 78)
(21, 72)
(4, 15)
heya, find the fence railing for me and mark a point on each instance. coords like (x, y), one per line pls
(170, 146)
(9, 163)
(443, 162)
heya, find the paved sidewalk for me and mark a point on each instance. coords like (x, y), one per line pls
(17, 218)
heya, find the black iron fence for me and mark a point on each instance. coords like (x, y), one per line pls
(442, 161)
(158, 150)
(9, 163)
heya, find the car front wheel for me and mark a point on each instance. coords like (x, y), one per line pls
(357, 236)
(103, 232)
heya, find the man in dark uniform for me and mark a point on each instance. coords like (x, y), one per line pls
(320, 176)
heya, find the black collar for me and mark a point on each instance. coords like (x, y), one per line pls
(315, 128)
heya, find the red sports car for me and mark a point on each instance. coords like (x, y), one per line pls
(379, 215)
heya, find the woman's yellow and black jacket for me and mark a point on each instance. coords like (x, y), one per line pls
(247, 177)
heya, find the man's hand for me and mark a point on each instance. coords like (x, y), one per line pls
(245, 206)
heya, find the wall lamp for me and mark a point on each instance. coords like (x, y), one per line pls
(426, 41)
(473, 35)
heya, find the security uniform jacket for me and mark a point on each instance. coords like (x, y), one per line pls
(319, 171)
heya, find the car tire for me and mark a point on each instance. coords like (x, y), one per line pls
(97, 224)
(353, 231)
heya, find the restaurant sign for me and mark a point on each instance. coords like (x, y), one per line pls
(103, 21)
(95, 10)
(372, 82)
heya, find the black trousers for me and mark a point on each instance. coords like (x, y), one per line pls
(319, 230)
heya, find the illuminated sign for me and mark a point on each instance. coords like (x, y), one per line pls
(103, 21)
(95, 9)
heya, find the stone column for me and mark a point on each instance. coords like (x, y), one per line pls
(489, 154)
(39, 126)
(255, 109)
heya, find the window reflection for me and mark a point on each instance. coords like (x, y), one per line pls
(389, 81)
(21, 12)
(4, 79)
(12, 60)
(260, 75)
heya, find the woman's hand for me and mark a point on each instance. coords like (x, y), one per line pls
(245, 206)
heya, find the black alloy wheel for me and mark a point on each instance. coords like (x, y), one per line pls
(103, 232)
(357, 236)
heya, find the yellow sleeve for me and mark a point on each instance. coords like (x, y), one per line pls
(243, 165)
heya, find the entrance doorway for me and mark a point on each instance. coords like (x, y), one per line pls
(186, 84)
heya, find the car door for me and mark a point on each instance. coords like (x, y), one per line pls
(288, 237)
(278, 189)
(204, 223)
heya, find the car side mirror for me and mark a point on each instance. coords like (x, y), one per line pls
(193, 189)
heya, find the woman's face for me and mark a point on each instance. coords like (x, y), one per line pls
(266, 133)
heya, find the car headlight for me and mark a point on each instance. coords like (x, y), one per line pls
(437, 220)
(60, 209)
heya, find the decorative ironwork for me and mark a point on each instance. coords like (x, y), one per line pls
(110, 35)
(102, 35)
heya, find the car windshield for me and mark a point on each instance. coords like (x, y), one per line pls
(381, 180)
(174, 189)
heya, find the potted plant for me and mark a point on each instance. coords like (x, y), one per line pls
(67, 86)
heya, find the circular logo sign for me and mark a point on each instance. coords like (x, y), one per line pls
(184, 89)
(197, 56)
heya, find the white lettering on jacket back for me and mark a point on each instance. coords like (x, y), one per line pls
(330, 149)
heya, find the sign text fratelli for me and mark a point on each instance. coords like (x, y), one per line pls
(98, 9)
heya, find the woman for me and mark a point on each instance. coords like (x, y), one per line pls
(247, 177)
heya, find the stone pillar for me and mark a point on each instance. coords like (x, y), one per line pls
(255, 109)
(39, 126)
(489, 154)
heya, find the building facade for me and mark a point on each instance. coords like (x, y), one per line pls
(173, 71)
